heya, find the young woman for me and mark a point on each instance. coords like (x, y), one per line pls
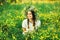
(31, 23)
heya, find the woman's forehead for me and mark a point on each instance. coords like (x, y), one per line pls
(29, 12)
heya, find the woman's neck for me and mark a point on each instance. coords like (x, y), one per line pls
(31, 20)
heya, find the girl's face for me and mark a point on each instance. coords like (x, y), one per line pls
(29, 15)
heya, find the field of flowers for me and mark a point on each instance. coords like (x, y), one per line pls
(11, 17)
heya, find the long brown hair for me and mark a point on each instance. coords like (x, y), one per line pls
(34, 18)
(31, 9)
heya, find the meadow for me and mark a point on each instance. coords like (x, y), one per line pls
(11, 17)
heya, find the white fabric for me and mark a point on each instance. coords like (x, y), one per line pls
(31, 28)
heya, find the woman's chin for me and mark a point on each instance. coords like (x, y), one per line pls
(29, 18)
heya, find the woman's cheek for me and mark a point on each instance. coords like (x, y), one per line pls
(30, 16)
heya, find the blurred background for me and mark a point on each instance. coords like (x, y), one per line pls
(12, 15)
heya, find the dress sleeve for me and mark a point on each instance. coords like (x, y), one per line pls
(24, 24)
(39, 23)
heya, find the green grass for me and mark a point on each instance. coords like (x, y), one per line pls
(11, 18)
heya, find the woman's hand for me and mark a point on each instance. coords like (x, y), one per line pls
(24, 30)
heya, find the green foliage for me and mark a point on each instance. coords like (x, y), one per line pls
(11, 17)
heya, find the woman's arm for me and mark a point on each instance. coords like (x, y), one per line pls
(24, 26)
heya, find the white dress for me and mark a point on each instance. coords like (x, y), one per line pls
(31, 28)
